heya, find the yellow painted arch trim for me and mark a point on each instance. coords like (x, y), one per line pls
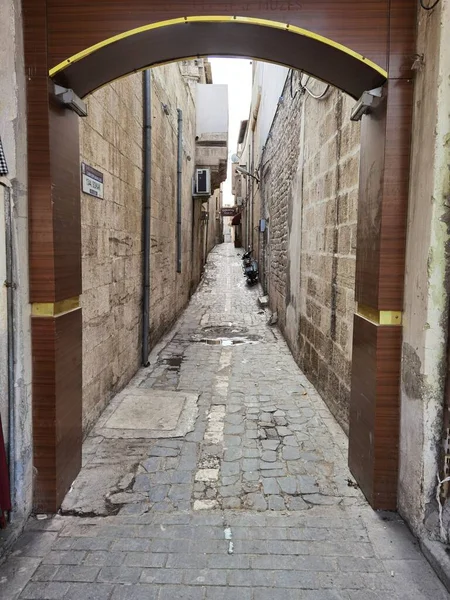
(217, 19)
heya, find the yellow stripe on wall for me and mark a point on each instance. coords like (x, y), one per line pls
(380, 317)
(55, 309)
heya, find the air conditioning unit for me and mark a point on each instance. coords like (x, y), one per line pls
(202, 182)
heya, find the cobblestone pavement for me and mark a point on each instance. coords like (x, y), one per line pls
(254, 503)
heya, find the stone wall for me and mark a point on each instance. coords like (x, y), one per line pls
(170, 291)
(207, 233)
(13, 132)
(309, 187)
(111, 140)
(215, 225)
(424, 374)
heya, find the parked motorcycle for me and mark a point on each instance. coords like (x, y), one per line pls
(246, 259)
(250, 267)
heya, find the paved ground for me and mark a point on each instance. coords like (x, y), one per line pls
(255, 502)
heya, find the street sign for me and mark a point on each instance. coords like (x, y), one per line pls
(228, 211)
(91, 181)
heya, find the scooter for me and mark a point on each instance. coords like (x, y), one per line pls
(246, 259)
(250, 267)
(247, 255)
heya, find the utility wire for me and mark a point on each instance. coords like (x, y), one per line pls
(304, 87)
(291, 77)
(262, 164)
(429, 6)
(317, 96)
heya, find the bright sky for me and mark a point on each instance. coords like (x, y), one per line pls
(237, 74)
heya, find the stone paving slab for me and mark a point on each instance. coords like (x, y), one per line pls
(324, 553)
(148, 414)
(254, 501)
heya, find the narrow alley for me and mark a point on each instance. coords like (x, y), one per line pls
(218, 473)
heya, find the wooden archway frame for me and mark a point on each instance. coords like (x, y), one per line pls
(382, 33)
(244, 37)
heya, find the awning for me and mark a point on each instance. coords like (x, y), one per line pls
(236, 220)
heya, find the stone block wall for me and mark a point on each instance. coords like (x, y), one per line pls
(111, 140)
(170, 291)
(309, 189)
(215, 224)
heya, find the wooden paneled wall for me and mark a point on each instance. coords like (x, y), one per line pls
(55, 272)
(362, 25)
(380, 266)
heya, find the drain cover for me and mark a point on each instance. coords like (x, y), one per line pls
(225, 335)
(222, 341)
(149, 413)
(224, 331)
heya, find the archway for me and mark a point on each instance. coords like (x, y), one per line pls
(353, 45)
(230, 36)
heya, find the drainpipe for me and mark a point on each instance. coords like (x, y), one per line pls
(179, 172)
(146, 204)
(207, 231)
(10, 342)
(252, 170)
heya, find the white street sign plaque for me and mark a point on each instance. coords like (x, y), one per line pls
(91, 181)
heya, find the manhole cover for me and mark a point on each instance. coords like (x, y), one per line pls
(224, 331)
(222, 341)
(225, 335)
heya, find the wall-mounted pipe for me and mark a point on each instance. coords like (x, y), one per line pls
(146, 216)
(179, 173)
(207, 230)
(10, 346)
